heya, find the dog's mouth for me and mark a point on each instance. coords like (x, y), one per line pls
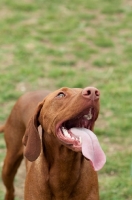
(76, 134)
(85, 119)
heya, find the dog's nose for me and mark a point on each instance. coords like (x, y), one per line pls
(91, 93)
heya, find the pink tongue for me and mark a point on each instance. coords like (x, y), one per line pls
(91, 148)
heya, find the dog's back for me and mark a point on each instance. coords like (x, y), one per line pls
(14, 129)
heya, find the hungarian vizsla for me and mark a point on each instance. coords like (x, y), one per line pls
(63, 155)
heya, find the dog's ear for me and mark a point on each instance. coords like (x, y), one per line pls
(31, 138)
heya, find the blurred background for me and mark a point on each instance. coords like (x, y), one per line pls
(78, 43)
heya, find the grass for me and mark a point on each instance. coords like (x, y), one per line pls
(50, 44)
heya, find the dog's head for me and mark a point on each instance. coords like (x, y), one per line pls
(58, 114)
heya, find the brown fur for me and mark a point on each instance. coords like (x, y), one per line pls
(2, 129)
(57, 171)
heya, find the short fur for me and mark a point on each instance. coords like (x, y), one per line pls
(56, 172)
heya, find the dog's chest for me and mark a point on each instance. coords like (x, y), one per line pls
(62, 179)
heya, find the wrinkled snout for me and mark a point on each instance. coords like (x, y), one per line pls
(91, 93)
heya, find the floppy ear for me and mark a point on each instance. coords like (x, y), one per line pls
(31, 138)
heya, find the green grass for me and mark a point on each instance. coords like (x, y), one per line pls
(50, 44)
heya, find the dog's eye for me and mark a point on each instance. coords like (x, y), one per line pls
(60, 95)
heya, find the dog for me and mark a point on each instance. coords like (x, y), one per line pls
(62, 152)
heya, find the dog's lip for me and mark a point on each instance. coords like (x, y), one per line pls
(72, 142)
(69, 139)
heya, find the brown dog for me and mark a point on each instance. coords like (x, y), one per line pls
(65, 155)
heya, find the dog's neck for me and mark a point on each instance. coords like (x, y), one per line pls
(63, 165)
(56, 153)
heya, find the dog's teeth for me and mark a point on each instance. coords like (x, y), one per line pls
(80, 139)
(65, 132)
(89, 115)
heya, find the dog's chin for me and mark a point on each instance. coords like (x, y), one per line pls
(74, 148)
